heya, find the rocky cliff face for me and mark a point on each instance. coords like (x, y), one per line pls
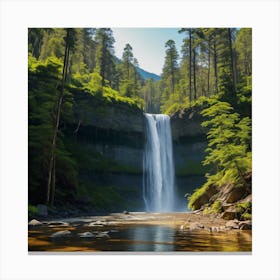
(189, 144)
(186, 124)
(108, 139)
(116, 116)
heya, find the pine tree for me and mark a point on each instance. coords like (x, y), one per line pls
(170, 69)
(104, 53)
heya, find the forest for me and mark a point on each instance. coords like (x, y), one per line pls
(210, 74)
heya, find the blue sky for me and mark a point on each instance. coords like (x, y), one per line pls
(147, 45)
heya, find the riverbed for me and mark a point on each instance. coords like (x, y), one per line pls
(138, 232)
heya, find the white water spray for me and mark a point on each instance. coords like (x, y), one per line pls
(158, 166)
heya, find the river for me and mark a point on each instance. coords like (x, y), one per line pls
(135, 232)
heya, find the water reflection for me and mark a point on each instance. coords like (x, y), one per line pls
(151, 238)
(141, 238)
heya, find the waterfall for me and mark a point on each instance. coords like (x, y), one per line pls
(158, 166)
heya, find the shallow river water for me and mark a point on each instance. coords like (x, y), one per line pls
(135, 233)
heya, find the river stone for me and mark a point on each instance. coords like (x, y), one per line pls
(195, 226)
(86, 234)
(233, 224)
(34, 223)
(61, 233)
(97, 224)
(245, 225)
(214, 229)
(42, 210)
(103, 235)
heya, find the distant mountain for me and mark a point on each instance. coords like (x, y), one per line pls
(147, 75)
(144, 74)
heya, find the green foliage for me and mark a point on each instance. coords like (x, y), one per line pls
(204, 70)
(32, 211)
(229, 147)
(196, 194)
(229, 143)
(176, 103)
(216, 206)
(244, 210)
(246, 216)
(43, 80)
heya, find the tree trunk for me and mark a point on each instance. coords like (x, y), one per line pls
(232, 61)
(172, 75)
(57, 119)
(190, 64)
(215, 65)
(53, 181)
(209, 66)
(194, 74)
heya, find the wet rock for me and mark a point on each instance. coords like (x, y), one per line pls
(34, 223)
(222, 228)
(233, 224)
(126, 212)
(61, 233)
(214, 229)
(58, 224)
(245, 225)
(97, 224)
(86, 234)
(196, 226)
(182, 227)
(103, 234)
(42, 210)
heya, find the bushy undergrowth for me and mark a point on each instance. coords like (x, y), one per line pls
(229, 147)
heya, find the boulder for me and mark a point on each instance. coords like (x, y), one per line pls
(97, 224)
(103, 235)
(61, 233)
(195, 226)
(58, 224)
(233, 224)
(248, 198)
(42, 210)
(245, 225)
(34, 223)
(126, 212)
(230, 213)
(86, 234)
(204, 198)
(235, 195)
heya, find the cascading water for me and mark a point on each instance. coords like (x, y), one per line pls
(158, 166)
